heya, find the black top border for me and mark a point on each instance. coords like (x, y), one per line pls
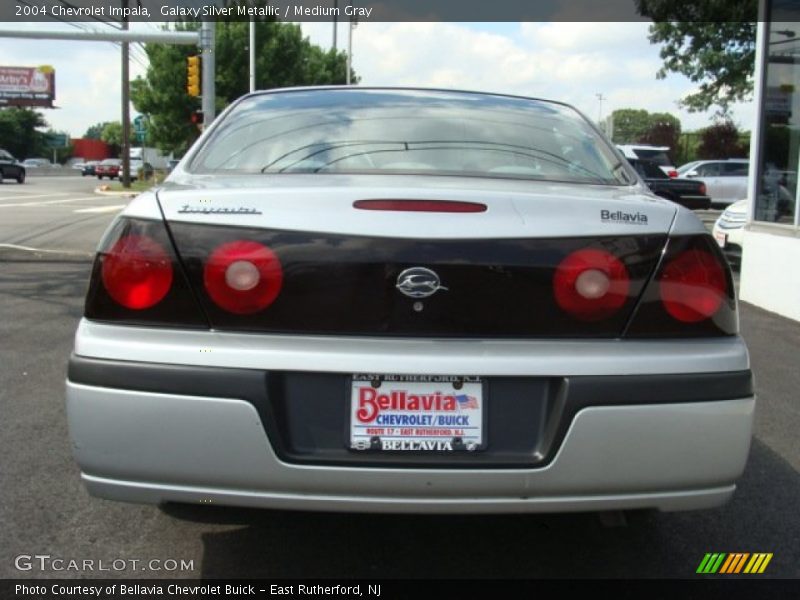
(54, 11)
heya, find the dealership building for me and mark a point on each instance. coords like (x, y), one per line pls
(770, 276)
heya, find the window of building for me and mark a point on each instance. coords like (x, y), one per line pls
(777, 192)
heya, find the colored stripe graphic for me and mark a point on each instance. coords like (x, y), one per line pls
(711, 563)
(733, 563)
(758, 563)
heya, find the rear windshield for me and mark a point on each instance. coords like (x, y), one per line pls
(417, 132)
(657, 156)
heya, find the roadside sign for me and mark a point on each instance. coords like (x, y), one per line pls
(57, 140)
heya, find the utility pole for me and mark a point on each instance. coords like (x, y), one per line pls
(252, 55)
(207, 33)
(126, 117)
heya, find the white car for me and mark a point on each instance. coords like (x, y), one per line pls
(407, 300)
(726, 180)
(729, 230)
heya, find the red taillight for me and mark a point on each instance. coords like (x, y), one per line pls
(448, 206)
(243, 277)
(591, 284)
(702, 189)
(672, 173)
(137, 272)
(692, 286)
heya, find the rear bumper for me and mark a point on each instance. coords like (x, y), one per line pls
(146, 447)
(146, 438)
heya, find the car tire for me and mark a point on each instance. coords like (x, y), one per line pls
(100, 177)
(21, 177)
(2, 175)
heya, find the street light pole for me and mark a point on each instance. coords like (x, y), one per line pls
(600, 97)
(252, 56)
(350, 45)
(335, 22)
(126, 117)
(207, 33)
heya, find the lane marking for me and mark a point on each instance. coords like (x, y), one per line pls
(100, 209)
(44, 251)
(48, 202)
(29, 196)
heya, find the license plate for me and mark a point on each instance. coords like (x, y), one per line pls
(416, 413)
(722, 239)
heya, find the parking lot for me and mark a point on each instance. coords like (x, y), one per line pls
(48, 229)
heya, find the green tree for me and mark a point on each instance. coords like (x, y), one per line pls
(20, 132)
(721, 140)
(112, 133)
(95, 132)
(639, 126)
(630, 124)
(711, 42)
(283, 58)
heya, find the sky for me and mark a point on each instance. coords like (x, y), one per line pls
(566, 61)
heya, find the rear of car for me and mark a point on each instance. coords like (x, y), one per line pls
(654, 154)
(89, 168)
(686, 192)
(109, 167)
(409, 301)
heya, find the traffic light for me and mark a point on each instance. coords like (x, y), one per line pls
(193, 75)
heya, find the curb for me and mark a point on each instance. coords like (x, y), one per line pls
(101, 192)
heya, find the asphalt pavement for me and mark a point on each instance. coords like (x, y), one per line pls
(45, 510)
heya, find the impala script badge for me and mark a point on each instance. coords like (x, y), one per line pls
(419, 282)
(209, 210)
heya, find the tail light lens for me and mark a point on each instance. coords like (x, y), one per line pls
(672, 173)
(703, 189)
(243, 277)
(692, 286)
(591, 284)
(137, 279)
(137, 272)
(691, 295)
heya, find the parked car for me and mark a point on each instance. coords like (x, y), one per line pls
(10, 167)
(109, 167)
(686, 192)
(89, 168)
(726, 180)
(729, 230)
(656, 154)
(406, 300)
(35, 163)
(112, 168)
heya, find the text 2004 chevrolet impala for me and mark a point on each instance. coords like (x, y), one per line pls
(409, 300)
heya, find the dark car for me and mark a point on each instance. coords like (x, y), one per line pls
(10, 167)
(89, 168)
(686, 192)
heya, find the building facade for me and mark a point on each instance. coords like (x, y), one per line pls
(770, 275)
